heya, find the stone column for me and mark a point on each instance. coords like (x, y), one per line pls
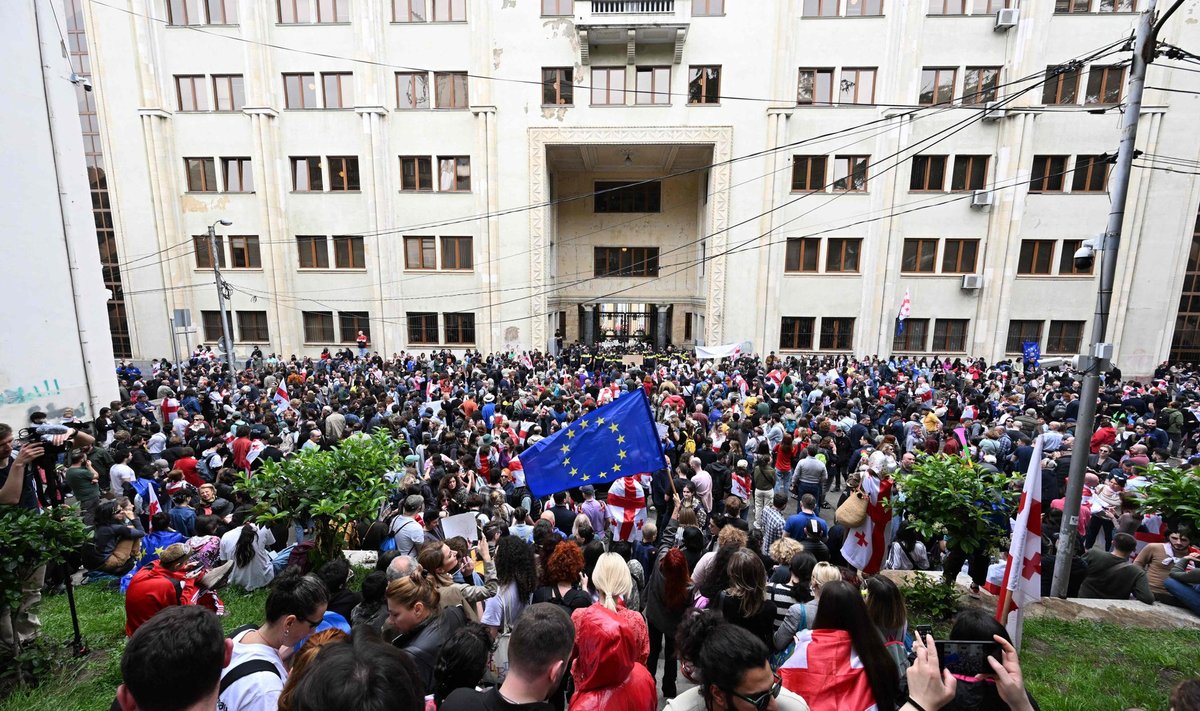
(589, 325)
(660, 326)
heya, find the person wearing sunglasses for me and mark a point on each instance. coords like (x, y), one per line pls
(254, 677)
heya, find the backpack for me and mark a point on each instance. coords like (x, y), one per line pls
(243, 670)
(535, 504)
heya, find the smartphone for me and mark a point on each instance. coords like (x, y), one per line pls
(968, 658)
(923, 631)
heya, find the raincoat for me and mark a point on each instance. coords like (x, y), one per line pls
(609, 671)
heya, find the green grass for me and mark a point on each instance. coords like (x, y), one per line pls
(1069, 666)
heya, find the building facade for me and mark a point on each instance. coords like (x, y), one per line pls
(491, 173)
(56, 355)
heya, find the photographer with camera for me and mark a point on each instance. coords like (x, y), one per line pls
(53, 441)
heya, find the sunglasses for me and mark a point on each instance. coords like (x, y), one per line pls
(761, 700)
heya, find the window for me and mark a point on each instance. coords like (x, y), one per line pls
(237, 174)
(820, 8)
(920, 256)
(1037, 256)
(420, 253)
(857, 86)
(617, 196)
(970, 173)
(950, 335)
(808, 173)
(1061, 85)
(608, 86)
(864, 8)
(408, 11)
(990, 7)
(451, 89)
(339, 90)
(558, 7)
(850, 173)
(1068, 7)
(422, 327)
(815, 86)
(332, 11)
(707, 8)
(252, 327)
(212, 326)
(201, 175)
(454, 173)
(1066, 259)
(1047, 174)
(947, 7)
(626, 262)
(300, 91)
(841, 254)
(412, 90)
(802, 254)
(449, 10)
(1091, 174)
(306, 174)
(837, 334)
(348, 253)
(558, 88)
(959, 255)
(1104, 85)
(1121, 6)
(243, 252)
(796, 333)
(1064, 337)
(343, 173)
(183, 12)
(416, 173)
(352, 322)
(318, 327)
(314, 252)
(460, 328)
(916, 332)
(653, 85)
(979, 85)
(293, 11)
(687, 325)
(204, 254)
(937, 86)
(1020, 331)
(457, 253)
(229, 92)
(222, 12)
(189, 90)
(928, 173)
(704, 85)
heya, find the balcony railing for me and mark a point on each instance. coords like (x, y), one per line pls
(633, 7)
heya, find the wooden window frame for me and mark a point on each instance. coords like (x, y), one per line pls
(609, 93)
(792, 331)
(923, 171)
(451, 6)
(1028, 265)
(351, 322)
(1061, 89)
(946, 8)
(1066, 260)
(816, 73)
(1019, 336)
(858, 72)
(836, 338)
(457, 325)
(1072, 7)
(698, 84)
(462, 183)
(704, 8)
(413, 79)
(208, 175)
(247, 249)
(345, 85)
(863, 6)
(300, 77)
(844, 247)
(417, 162)
(1060, 340)
(554, 81)
(945, 330)
(559, 7)
(317, 249)
(259, 332)
(195, 83)
(458, 253)
(958, 264)
(234, 86)
(980, 94)
(203, 253)
(301, 12)
(936, 98)
(915, 338)
(656, 96)
(349, 252)
(210, 322)
(408, 6)
(225, 19)
(340, 11)
(973, 177)
(629, 262)
(350, 181)
(850, 162)
(628, 197)
(1107, 77)
(308, 163)
(1084, 174)
(804, 166)
(422, 243)
(802, 255)
(186, 6)
(425, 323)
(320, 332)
(454, 102)
(821, 6)
(1045, 174)
(917, 250)
(243, 168)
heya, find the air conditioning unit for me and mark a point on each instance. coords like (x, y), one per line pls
(1006, 19)
(972, 281)
(981, 199)
(994, 111)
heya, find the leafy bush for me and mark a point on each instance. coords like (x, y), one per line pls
(954, 497)
(334, 490)
(30, 539)
(1175, 495)
(929, 598)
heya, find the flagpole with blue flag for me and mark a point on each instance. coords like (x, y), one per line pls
(603, 445)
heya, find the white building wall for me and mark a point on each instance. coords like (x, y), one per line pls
(751, 210)
(56, 352)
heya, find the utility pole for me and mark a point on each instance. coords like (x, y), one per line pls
(213, 256)
(1098, 357)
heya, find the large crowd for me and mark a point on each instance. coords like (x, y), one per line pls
(735, 573)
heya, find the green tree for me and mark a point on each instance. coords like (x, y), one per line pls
(954, 497)
(1174, 494)
(334, 490)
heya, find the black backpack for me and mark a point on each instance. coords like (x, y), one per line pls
(535, 503)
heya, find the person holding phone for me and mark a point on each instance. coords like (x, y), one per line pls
(1004, 685)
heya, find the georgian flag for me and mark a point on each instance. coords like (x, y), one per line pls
(777, 375)
(741, 485)
(1023, 566)
(145, 492)
(281, 399)
(905, 310)
(627, 508)
(526, 360)
(828, 674)
(864, 546)
(1155, 532)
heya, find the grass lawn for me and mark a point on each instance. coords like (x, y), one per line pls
(1069, 666)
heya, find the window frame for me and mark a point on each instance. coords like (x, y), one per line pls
(350, 323)
(259, 332)
(424, 15)
(915, 338)
(244, 170)
(1055, 88)
(300, 77)
(919, 252)
(857, 83)
(923, 165)
(345, 85)
(199, 99)
(245, 248)
(980, 96)
(863, 6)
(629, 262)
(851, 171)
(820, 6)
(836, 337)
(608, 92)
(845, 247)
(975, 178)
(203, 254)
(554, 79)
(944, 329)
(656, 97)
(960, 247)
(415, 79)
(456, 332)
(207, 176)
(454, 250)
(235, 85)
(816, 73)
(1059, 340)
(1020, 324)
(707, 10)
(1028, 261)
(462, 183)
(339, 8)
(451, 6)
(627, 196)
(309, 163)
(326, 333)
(792, 328)
(808, 164)
(1083, 178)
(349, 252)
(458, 101)
(936, 93)
(317, 248)
(802, 255)
(342, 183)
(426, 322)
(186, 6)
(558, 6)
(426, 245)
(1071, 7)
(1103, 76)
(699, 80)
(1066, 260)
(417, 163)
(1043, 174)
(961, 4)
(210, 322)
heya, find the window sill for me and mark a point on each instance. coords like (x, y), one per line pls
(841, 274)
(313, 24)
(344, 192)
(842, 17)
(803, 272)
(460, 345)
(608, 106)
(423, 343)
(429, 191)
(702, 104)
(443, 109)
(431, 22)
(418, 270)
(238, 192)
(239, 270)
(201, 192)
(558, 106)
(316, 109)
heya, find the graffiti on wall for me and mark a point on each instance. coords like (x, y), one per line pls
(46, 396)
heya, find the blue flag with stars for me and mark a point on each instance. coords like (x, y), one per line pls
(616, 440)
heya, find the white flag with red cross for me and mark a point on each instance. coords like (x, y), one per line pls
(627, 508)
(1022, 583)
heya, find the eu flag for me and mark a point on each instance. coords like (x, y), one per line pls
(608, 443)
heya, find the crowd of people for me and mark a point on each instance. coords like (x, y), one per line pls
(740, 579)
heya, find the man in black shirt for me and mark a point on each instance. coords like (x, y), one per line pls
(538, 654)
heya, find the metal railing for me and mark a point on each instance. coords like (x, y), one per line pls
(633, 7)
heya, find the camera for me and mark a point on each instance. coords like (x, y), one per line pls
(1085, 256)
(80, 80)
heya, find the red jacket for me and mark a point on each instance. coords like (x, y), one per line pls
(152, 588)
(610, 672)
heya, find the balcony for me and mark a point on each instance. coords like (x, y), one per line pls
(632, 22)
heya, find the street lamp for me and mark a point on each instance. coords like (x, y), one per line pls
(216, 265)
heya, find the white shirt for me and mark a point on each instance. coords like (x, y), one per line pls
(118, 474)
(157, 443)
(253, 692)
